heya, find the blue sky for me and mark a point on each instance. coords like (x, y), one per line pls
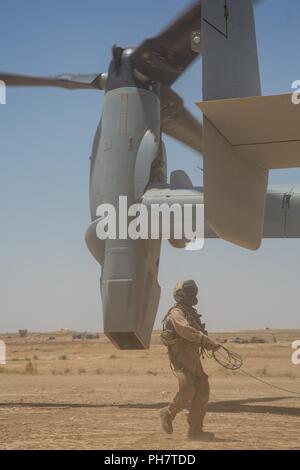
(48, 278)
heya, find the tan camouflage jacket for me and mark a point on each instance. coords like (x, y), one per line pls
(185, 353)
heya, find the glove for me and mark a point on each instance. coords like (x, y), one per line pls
(209, 344)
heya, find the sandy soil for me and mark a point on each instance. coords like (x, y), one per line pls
(84, 394)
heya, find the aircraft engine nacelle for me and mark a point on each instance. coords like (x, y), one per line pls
(146, 155)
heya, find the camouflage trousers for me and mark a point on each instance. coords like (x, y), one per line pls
(193, 394)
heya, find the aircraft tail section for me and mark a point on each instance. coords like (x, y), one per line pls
(230, 60)
(234, 188)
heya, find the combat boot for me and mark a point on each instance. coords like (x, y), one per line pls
(200, 436)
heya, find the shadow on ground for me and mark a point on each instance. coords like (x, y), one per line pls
(251, 405)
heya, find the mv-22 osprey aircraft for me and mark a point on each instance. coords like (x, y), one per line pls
(242, 137)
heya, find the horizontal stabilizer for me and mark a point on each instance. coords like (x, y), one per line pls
(264, 129)
(244, 138)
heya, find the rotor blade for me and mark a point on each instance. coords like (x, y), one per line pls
(69, 81)
(165, 57)
(178, 122)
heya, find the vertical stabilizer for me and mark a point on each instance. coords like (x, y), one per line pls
(230, 60)
(234, 186)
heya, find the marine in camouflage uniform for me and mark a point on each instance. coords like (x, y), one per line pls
(185, 336)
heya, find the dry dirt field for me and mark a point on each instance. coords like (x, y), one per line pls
(84, 394)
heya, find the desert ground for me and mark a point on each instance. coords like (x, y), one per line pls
(61, 393)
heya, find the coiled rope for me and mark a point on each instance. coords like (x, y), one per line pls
(234, 361)
(226, 358)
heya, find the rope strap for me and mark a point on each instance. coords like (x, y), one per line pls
(233, 361)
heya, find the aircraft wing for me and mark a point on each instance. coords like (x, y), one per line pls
(281, 219)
